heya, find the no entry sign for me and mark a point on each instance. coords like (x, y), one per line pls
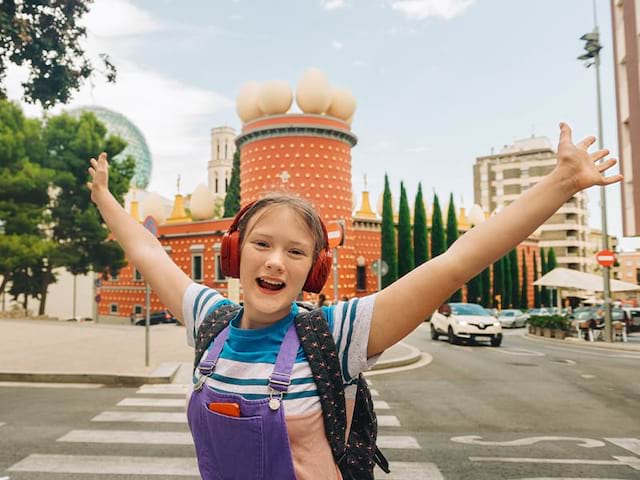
(335, 233)
(606, 258)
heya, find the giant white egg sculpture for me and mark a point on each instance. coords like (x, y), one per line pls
(152, 206)
(343, 104)
(202, 203)
(476, 215)
(275, 97)
(247, 102)
(313, 92)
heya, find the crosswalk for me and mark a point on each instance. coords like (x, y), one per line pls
(156, 416)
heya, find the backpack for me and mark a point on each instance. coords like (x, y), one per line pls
(355, 458)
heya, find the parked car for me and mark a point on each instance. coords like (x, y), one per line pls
(512, 318)
(465, 321)
(633, 318)
(155, 318)
(538, 311)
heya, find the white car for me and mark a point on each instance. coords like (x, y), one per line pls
(465, 321)
(512, 318)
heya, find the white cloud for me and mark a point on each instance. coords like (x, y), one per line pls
(337, 44)
(333, 4)
(421, 9)
(119, 18)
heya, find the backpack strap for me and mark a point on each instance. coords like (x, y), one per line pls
(211, 326)
(322, 355)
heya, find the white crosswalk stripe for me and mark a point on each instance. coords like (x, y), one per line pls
(168, 389)
(410, 471)
(388, 421)
(381, 405)
(145, 417)
(128, 437)
(153, 402)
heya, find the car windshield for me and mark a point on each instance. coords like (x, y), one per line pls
(468, 309)
(508, 313)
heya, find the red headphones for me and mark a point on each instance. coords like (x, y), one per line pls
(230, 256)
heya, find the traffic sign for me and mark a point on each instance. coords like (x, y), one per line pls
(376, 264)
(151, 225)
(606, 258)
(335, 233)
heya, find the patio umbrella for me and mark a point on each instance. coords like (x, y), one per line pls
(572, 279)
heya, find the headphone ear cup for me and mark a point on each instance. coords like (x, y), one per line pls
(230, 254)
(319, 272)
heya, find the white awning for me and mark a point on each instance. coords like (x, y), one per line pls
(575, 280)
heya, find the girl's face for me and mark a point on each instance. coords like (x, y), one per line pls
(276, 256)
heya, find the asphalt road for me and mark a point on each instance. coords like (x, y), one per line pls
(526, 410)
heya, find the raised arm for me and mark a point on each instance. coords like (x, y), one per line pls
(141, 248)
(403, 305)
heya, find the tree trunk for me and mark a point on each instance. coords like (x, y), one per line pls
(5, 280)
(46, 281)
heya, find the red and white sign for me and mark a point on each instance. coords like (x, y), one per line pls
(606, 258)
(335, 233)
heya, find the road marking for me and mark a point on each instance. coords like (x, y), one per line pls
(51, 385)
(522, 352)
(633, 462)
(589, 350)
(425, 359)
(388, 421)
(2, 424)
(587, 376)
(169, 389)
(4, 478)
(108, 464)
(152, 402)
(127, 436)
(477, 440)
(397, 441)
(373, 392)
(631, 444)
(410, 471)
(381, 405)
(144, 417)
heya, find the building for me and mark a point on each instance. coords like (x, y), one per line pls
(223, 148)
(625, 16)
(500, 178)
(628, 270)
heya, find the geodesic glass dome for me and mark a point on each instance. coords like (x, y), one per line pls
(118, 124)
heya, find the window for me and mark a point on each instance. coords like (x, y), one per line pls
(137, 276)
(218, 150)
(361, 277)
(219, 275)
(226, 184)
(226, 149)
(216, 183)
(137, 309)
(196, 268)
(113, 309)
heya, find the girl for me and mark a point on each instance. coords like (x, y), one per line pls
(280, 239)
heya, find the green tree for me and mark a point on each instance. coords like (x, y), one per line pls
(498, 283)
(536, 288)
(474, 289)
(388, 237)
(515, 278)
(232, 198)
(46, 37)
(438, 241)
(452, 236)
(524, 293)
(420, 235)
(486, 287)
(405, 248)
(544, 294)
(506, 271)
(551, 264)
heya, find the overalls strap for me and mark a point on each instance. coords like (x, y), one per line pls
(207, 365)
(280, 377)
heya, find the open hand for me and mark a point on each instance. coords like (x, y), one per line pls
(99, 171)
(584, 169)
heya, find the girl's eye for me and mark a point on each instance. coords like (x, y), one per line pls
(260, 243)
(297, 252)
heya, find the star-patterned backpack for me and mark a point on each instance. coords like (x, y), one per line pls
(355, 458)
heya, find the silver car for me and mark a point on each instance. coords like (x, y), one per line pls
(512, 318)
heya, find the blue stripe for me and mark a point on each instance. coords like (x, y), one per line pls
(210, 293)
(195, 305)
(345, 358)
(257, 381)
(258, 396)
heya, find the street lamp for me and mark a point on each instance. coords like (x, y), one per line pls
(592, 57)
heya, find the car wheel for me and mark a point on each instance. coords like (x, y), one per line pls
(453, 340)
(496, 341)
(434, 333)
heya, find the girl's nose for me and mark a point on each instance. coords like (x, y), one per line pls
(274, 262)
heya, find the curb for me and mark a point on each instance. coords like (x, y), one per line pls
(412, 357)
(584, 344)
(163, 374)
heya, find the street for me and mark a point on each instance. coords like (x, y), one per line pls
(526, 410)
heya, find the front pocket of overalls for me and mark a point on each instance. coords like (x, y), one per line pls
(236, 444)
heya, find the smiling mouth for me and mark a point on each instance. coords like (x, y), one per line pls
(272, 285)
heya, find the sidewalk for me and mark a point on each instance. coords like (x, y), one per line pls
(631, 345)
(70, 352)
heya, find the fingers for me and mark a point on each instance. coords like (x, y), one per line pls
(585, 143)
(103, 158)
(90, 185)
(92, 172)
(612, 179)
(565, 133)
(600, 154)
(606, 165)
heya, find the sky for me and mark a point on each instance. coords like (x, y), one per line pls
(437, 82)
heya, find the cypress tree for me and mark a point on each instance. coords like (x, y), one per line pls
(524, 293)
(232, 198)
(405, 247)
(544, 295)
(420, 239)
(486, 287)
(474, 289)
(438, 243)
(551, 264)
(452, 236)
(498, 283)
(388, 237)
(506, 272)
(536, 288)
(515, 278)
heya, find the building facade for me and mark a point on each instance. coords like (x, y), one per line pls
(625, 17)
(223, 148)
(500, 178)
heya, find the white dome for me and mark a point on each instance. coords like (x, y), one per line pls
(275, 97)
(202, 203)
(313, 92)
(476, 215)
(153, 207)
(343, 104)
(247, 102)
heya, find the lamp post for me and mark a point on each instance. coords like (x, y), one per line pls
(592, 57)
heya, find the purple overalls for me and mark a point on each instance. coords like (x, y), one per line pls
(254, 446)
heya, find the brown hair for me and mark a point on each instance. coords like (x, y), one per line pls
(302, 209)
